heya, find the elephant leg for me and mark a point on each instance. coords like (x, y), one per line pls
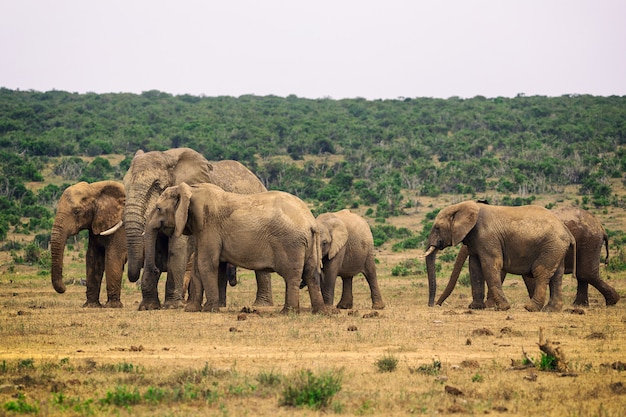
(196, 290)
(556, 296)
(292, 293)
(114, 268)
(492, 273)
(222, 282)
(586, 276)
(264, 296)
(490, 302)
(346, 300)
(208, 271)
(95, 272)
(176, 266)
(372, 280)
(478, 284)
(149, 294)
(582, 293)
(542, 277)
(329, 281)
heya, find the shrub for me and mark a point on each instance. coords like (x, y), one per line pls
(387, 363)
(309, 390)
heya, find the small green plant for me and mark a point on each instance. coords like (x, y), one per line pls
(269, 378)
(306, 389)
(477, 378)
(387, 363)
(547, 362)
(122, 396)
(26, 364)
(428, 369)
(20, 405)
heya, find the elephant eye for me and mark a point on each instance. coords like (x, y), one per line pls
(76, 212)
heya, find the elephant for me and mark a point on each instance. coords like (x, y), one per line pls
(97, 207)
(150, 173)
(347, 249)
(590, 238)
(526, 240)
(270, 231)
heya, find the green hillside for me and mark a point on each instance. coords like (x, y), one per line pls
(382, 154)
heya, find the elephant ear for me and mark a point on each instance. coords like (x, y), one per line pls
(109, 205)
(339, 237)
(182, 209)
(189, 167)
(463, 219)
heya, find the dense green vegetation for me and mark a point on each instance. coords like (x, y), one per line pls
(366, 151)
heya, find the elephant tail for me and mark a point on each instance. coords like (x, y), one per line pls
(317, 248)
(606, 247)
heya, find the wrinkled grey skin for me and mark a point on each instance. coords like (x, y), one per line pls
(268, 231)
(347, 250)
(97, 207)
(149, 174)
(590, 239)
(526, 240)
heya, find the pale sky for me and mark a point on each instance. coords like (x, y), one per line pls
(324, 48)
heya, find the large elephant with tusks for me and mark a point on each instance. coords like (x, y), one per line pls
(150, 173)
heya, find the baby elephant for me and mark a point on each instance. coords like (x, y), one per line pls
(269, 231)
(347, 249)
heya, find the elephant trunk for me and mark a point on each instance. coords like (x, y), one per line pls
(58, 238)
(134, 222)
(456, 271)
(431, 257)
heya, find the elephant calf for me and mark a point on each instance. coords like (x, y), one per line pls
(347, 249)
(97, 207)
(269, 231)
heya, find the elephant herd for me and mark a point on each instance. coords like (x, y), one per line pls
(197, 220)
(178, 213)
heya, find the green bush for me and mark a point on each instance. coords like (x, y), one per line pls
(310, 390)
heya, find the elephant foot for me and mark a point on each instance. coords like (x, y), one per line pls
(147, 305)
(113, 304)
(581, 302)
(345, 306)
(503, 306)
(290, 310)
(532, 307)
(552, 308)
(325, 310)
(173, 304)
(475, 305)
(378, 305)
(193, 307)
(263, 302)
(92, 304)
(490, 303)
(211, 308)
(610, 301)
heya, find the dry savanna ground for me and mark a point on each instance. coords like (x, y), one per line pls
(58, 359)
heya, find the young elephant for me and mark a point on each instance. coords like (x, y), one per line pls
(527, 240)
(270, 231)
(347, 249)
(97, 207)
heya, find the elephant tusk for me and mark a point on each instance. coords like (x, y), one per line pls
(430, 250)
(113, 229)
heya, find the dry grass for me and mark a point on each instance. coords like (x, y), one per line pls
(66, 360)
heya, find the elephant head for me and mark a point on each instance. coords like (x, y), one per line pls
(450, 227)
(169, 217)
(333, 234)
(150, 173)
(97, 207)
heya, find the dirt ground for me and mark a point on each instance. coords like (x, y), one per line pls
(480, 352)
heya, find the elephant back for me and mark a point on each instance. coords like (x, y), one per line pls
(232, 176)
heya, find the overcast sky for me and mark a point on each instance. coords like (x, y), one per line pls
(322, 48)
